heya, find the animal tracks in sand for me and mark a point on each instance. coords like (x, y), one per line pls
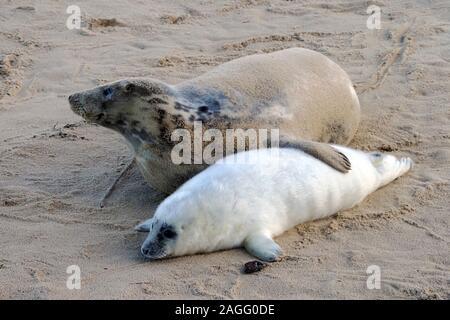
(15, 55)
(403, 41)
(66, 132)
(10, 74)
(319, 41)
(310, 40)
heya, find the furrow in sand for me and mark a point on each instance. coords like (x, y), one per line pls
(42, 218)
(388, 60)
(421, 226)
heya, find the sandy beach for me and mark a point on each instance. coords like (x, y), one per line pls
(55, 168)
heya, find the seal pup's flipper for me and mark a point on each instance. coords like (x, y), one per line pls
(322, 151)
(263, 247)
(144, 226)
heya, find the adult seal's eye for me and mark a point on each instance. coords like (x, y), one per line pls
(107, 92)
(129, 87)
(169, 234)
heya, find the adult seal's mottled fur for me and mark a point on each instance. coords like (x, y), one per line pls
(301, 92)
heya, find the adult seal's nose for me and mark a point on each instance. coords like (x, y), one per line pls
(145, 251)
(73, 98)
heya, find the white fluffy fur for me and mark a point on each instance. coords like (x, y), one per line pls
(237, 204)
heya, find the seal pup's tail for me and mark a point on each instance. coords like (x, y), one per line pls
(389, 167)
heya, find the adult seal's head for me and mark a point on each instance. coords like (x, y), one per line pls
(123, 105)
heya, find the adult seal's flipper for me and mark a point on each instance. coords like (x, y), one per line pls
(321, 151)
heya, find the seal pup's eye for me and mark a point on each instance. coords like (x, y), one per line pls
(377, 154)
(203, 109)
(169, 234)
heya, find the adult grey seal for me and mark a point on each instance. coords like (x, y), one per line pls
(305, 95)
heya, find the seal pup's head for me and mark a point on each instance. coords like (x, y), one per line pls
(162, 239)
(182, 225)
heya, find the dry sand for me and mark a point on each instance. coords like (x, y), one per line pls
(54, 168)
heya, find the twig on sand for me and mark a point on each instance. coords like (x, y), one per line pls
(113, 186)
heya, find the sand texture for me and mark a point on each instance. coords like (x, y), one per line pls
(54, 168)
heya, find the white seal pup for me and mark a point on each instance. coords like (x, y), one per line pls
(304, 94)
(233, 203)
